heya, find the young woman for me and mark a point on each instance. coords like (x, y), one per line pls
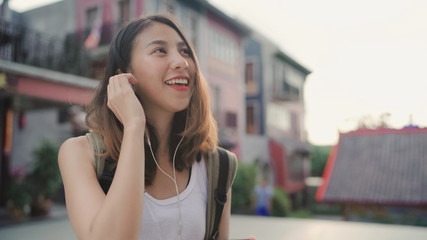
(152, 113)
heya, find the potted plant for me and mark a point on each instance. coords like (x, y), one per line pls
(18, 196)
(45, 178)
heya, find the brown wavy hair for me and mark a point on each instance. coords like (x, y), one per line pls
(200, 135)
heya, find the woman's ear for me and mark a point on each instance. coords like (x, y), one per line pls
(118, 71)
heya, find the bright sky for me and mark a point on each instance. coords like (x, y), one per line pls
(24, 5)
(367, 57)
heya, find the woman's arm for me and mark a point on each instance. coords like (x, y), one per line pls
(118, 214)
(93, 214)
(224, 224)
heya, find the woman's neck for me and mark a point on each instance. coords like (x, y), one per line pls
(162, 122)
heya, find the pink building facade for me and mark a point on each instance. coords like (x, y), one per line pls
(225, 77)
(88, 12)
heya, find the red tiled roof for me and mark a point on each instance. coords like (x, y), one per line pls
(385, 166)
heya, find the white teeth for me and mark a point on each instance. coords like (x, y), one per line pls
(177, 81)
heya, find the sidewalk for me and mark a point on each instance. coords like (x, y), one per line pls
(273, 228)
(57, 226)
(58, 211)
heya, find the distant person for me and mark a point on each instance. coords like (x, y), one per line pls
(264, 194)
(151, 126)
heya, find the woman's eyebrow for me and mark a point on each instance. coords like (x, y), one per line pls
(181, 44)
(156, 42)
(162, 42)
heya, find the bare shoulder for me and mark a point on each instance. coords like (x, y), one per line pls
(83, 194)
(75, 150)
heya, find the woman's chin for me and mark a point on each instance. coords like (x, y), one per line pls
(179, 106)
(172, 106)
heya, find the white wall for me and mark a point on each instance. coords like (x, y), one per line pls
(255, 147)
(40, 124)
(58, 18)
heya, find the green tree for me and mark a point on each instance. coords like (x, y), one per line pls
(243, 186)
(280, 204)
(319, 156)
(45, 178)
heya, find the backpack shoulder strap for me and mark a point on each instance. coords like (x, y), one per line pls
(98, 147)
(222, 166)
(104, 167)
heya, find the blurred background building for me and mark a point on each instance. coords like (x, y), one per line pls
(275, 136)
(379, 175)
(52, 57)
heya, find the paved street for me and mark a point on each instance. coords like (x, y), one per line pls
(40, 230)
(308, 229)
(243, 226)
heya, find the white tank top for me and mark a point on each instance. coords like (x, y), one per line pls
(160, 217)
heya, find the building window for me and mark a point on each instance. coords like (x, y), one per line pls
(231, 120)
(296, 170)
(253, 117)
(250, 120)
(250, 78)
(63, 115)
(223, 47)
(124, 14)
(91, 17)
(94, 32)
(284, 89)
(295, 125)
(278, 117)
(277, 77)
(290, 92)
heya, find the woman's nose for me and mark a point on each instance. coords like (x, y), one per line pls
(179, 62)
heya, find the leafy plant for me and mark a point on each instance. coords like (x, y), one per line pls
(319, 156)
(280, 204)
(45, 177)
(18, 195)
(243, 186)
(301, 213)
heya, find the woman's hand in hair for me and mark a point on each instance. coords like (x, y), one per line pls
(123, 102)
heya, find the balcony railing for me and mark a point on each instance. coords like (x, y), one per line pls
(67, 54)
(286, 92)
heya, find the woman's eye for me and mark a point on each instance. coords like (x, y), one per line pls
(185, 51)
(160, 50)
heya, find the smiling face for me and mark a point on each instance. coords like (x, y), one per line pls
(164, 68)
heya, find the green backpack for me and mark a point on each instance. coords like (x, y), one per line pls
(221, 165)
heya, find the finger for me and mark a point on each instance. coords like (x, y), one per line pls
(115, 81)
(122, 80)
(128, 79)
(110, 104)
(132, 79)
(109, 89)
(124, 83)
(109, 95)
(112, 89)
(129, 76)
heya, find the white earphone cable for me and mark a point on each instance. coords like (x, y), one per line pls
(172, 178)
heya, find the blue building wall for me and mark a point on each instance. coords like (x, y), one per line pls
(254, 49)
